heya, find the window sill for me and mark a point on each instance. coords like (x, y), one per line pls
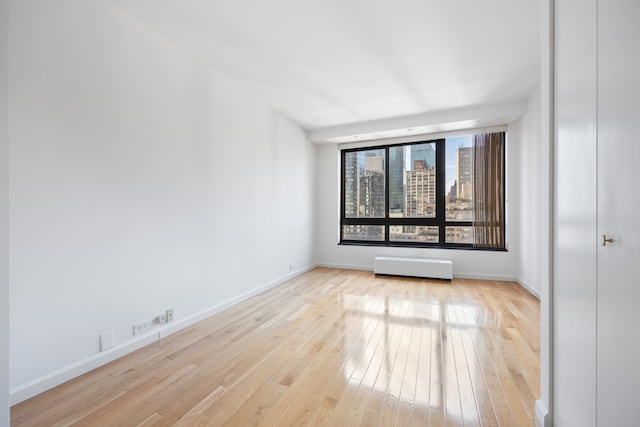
(421, 246)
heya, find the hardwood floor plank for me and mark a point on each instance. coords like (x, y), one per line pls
(154, 419)
(451, 394)
(135, 406)
(396, 372)
(407, 395)
(330, 347)
(384, 360)
(344, 384)
(468, 405)
(420, 410)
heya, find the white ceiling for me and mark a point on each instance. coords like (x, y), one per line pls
(340, 67)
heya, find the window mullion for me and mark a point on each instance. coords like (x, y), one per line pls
(387, 231)
(441, 169)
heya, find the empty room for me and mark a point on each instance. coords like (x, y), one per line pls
(339, 213)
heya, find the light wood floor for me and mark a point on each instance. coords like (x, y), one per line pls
(333, 348)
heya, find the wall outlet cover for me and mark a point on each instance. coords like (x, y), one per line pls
(141, 326)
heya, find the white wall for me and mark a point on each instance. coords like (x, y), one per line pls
(466, 263)
(4, 211)
(534, 222)
(140, 181)
(531, 194)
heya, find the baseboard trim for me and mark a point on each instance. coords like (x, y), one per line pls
(53, 379)
(476, 276)
(528, 288)
(543, 419)
(197, 317)
(345, 266)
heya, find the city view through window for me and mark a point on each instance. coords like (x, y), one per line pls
(413, 192)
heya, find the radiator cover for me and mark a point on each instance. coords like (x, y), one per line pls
(413, 267)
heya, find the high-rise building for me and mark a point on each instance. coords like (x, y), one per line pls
(371, 188)
(425, 152)
(396, 180)
(351, 183)
(453, 191)
(374, 164)
(421, 190)
(464, 178)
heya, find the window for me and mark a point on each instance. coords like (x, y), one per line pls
(442, 193)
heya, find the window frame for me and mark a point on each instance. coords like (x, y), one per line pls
(439, 220)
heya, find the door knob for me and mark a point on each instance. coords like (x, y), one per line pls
(605, 240)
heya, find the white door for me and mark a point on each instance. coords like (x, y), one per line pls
(618, 278)
(575, 220)
(597, 195)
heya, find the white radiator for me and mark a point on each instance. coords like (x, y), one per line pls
(414, 267)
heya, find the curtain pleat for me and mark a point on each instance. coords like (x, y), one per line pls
(488, 191)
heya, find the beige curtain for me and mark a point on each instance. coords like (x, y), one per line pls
(488, 190)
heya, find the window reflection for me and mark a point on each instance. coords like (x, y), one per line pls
(412, 350)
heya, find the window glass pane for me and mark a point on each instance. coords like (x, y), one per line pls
(412, 181)
(459, 177)
(363, 232)
(364, 184)
(413, 233)
(459, 234)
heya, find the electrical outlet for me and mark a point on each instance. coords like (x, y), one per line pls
(290, 267)
(170, 315)
(141, 326)
(162, 319)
